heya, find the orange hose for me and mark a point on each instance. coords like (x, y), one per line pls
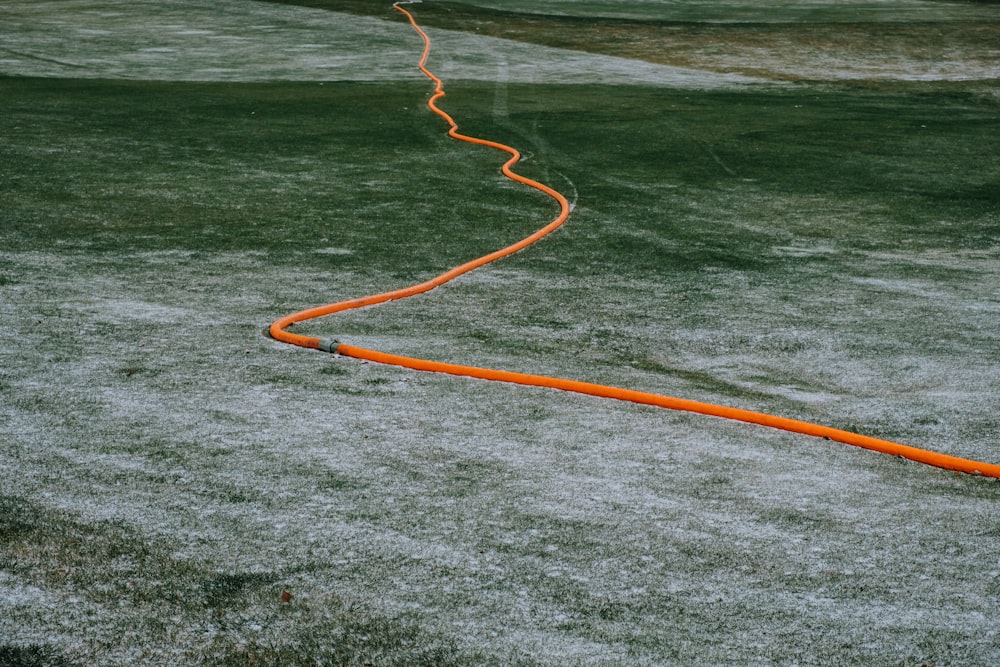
(278, 330)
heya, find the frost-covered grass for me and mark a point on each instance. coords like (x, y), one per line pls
(179, 489)
(908, 40)
(187, 40)
(744, 11)
(698, 11)
(236, 40)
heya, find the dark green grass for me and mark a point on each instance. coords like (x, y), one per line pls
(866, 172)
(281, 168)
(287, 168)
(30, 655)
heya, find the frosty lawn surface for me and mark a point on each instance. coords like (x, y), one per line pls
(818, 250)
(235, 40)
(763, 11)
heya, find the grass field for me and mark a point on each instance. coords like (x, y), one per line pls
(795, 225)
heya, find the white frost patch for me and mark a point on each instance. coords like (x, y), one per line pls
(13, 594)
(912, 287)
(233, 40)
(186, 40)
(457, 55)
(516, 519)
(113, 310)
(805, 251)
(827, 65)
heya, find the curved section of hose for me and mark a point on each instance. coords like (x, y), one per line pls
(278, 329)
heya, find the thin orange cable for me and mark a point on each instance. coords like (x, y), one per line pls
(278, 330)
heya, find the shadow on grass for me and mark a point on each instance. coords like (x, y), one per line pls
(30, 655)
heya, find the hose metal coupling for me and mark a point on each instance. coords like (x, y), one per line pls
(328, 344)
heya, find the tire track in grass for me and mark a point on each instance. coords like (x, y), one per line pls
(278, 329)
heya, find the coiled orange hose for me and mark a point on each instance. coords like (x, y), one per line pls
(278, 329)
